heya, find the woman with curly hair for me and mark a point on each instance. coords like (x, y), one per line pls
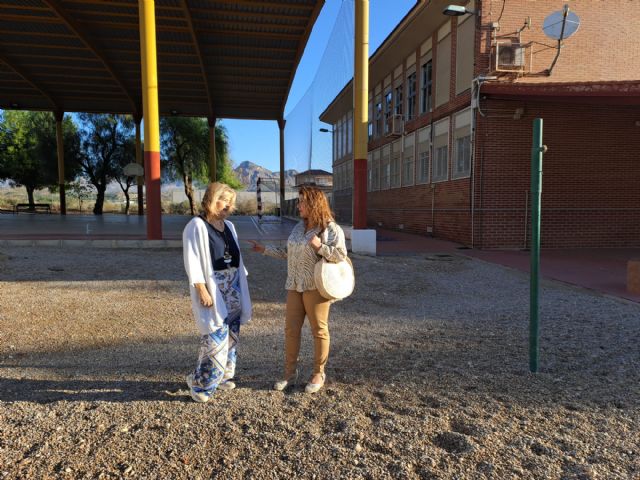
(316, 235)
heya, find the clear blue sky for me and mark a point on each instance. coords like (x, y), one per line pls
(258, 141)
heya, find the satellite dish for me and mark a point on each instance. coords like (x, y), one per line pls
(133, 170)
(561, 25)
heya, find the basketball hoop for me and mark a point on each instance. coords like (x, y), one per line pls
(133, 170)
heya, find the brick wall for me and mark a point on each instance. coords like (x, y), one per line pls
(591, 175)
(591, 193)
(603, 49)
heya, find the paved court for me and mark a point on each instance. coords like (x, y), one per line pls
(602, 270)
(123, 227)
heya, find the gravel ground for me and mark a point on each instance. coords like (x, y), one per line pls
(427, 378)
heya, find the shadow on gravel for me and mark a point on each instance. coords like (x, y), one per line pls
(45, 391)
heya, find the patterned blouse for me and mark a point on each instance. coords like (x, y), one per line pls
(302, 258)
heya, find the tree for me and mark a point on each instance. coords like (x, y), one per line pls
(28, 150)
(224, 168)
(185, 153)
(126, 182)
(81, 190)
(105, 139)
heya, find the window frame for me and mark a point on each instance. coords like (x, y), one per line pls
(408, 151)
(395, 162)
(462, 124)
(426, 87)
(423, 132)
(437, 149)
(411, 95)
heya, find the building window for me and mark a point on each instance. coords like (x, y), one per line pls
(343, 134)
(334, 136)
(385, 167)
(375, 182)
(441, 165)
(388, 104)
(424, 155)
(350, 131)
(408, 168)
(463, 157)
(441, 151)
(426, 88)
(378, 116)
(399, 100)
(370, 124)
(338, 133)
(462, 145)
(396, 163)
(411, 96)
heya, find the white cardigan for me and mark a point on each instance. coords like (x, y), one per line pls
(199, 268)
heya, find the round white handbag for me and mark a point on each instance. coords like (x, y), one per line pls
(334, 281)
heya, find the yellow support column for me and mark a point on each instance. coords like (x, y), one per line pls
(60, 146)
(213, 167)
(151, 117)
(360, 120)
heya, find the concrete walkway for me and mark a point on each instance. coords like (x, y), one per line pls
(602, 270)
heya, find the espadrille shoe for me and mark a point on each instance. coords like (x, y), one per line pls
(280, 385)
(314, 387)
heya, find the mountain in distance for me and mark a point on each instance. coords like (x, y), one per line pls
(248, 173)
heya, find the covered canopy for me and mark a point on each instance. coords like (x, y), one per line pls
(216, 58)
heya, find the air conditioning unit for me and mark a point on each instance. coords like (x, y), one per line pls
(509, 57)
(395, 126)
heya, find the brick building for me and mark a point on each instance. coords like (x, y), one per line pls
(451, 106)
(319, 178)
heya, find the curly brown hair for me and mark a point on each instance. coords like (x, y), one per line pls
(319, 213)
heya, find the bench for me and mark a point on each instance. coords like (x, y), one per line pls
(35, 208)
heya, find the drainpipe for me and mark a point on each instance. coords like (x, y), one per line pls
(476, 83)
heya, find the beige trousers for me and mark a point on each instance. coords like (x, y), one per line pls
(316, 309)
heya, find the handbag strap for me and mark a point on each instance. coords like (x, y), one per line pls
(324, 236)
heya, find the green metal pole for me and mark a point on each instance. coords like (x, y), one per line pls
(536, 189)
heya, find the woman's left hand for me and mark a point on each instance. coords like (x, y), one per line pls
(315, 243)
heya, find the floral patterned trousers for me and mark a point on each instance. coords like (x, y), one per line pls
(218, 350)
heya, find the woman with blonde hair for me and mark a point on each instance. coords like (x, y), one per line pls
(219, 291)
(316, 235)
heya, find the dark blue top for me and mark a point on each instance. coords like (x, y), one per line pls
(219, 242)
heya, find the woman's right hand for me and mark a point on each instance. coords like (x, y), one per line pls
(256, 246)
(203, 293)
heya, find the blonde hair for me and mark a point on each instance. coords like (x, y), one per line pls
(318, 211)
(217, 191)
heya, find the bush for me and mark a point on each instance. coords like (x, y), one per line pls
(181, 208)
(246, 206)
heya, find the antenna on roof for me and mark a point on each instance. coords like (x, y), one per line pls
(559, 26)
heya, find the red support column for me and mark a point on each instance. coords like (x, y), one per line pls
(360, 193)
